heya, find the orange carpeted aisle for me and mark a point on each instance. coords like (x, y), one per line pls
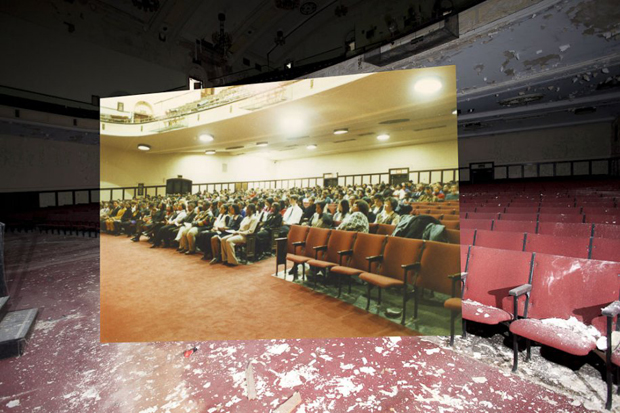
(161, 295)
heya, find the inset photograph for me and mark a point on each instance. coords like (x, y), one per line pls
(311, 208)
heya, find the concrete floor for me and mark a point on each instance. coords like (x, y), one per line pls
(66, 369)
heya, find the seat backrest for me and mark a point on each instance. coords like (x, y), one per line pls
(522, 209)
(565, 229)
(603, 219)
(564, 287)
(559, 210)
(498, 239)
(316, 238)
(596, 210)
(451, 224)
(339, 241)
(366, 245)
(515, 226)
(372, 228)
(454, 236)
(451, 217)
(400, 251)
(476, 224)
(607, 231)
(296, 233)
(483, 215)
(385, 229)
(493, 272)
(439, 260)
(530, 216)
(606, 249)
(566, 246)
(467, 236)
(574, 218)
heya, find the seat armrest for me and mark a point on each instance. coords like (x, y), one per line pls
(411, 266)
(374, 258)
(280, 239)
(612, 310)
(345, 252)
(461, 276)
(298, 243)
(519, 291)
(320, 248)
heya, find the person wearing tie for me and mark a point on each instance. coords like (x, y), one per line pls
(292, 216)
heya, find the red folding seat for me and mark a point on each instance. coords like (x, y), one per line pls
(488, 277)
(450, 217)
(561, 288)
(476, 224)
(607, 231)
(285, 246)
(596, 210)
(607, 249)
(372, 228)
(398, 263)
(439, 265)
(522, 210)
(532, 216)
(565, 246)
(603, 219)
(385, 229)
(491, 209)
(565, 229)
(574, 218)
(597, 204)
(305, 250)
(467, 236)
(559, 210)
(354, 260)
(515, 226)
(502, 240)
(338, 241)
(454, 236)
(483, 215)
(558, 204)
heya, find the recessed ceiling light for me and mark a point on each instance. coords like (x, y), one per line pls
(144, 147)
(383, 137)
(454, 112)
(262, 144)
(210, 152)
(311, 146)
(206, 138)
(427, 85)
(340, 131)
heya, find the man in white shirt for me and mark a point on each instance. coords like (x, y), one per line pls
(227, 243)
(293, 213)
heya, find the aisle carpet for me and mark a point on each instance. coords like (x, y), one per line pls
(161, 295)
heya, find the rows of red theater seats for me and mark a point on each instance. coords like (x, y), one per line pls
(67, 218)
(532, 252)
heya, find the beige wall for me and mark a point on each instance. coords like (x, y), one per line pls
(437, 155)
(128, 168)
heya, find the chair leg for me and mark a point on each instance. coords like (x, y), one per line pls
(515, 350)
(368, 297)
(402, 320)
(464, 332)
(528, 345)
(416, 299)
(379, 301)
(452, 320)
(350, 282)
(339, 276)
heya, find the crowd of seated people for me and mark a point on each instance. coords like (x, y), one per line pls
(214, 223)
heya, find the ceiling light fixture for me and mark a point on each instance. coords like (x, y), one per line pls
(428, 85)
(311, 146)
(383, 137)
(210, 152)
(340, 131)
(206, 138)
(144, 147)
(262, 144)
